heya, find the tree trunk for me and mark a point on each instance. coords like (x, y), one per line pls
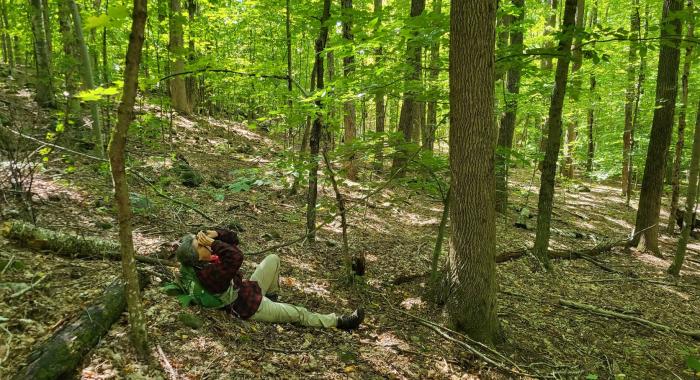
(87, 73)
(591, 121)
(191, 80)
(349, 112)
(549, 29)
(46, 15)
(675, 181)
(71, 61)
(661, 129)
(314, 143)
(577, 60)
(288, 38)
(554, 131)
(639, 90)
(379, 104)
(44, 86)
(117, 151)
(471, 262)
(105, 65)
(675, 267)
(7, 39)
(409, 110)
(431, 120)
(178, 91)
(507, 125)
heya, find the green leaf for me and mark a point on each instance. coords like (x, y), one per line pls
(591, 376)
(693, 363)
(118, 11)
(185, 299)
(93, 22)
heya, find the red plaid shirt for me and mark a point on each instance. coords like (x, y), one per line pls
(216, 277)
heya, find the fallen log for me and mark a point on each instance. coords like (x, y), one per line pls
(65, 349)
(34, 237)
(565, 253)
(695, 334)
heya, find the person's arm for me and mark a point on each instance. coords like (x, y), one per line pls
(229, 255)
(224, 235)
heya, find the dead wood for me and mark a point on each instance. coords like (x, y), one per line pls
(30, 236)
(695, 334)
(64, 350)
(565, 254)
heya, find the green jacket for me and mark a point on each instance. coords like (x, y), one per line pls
(194, 292)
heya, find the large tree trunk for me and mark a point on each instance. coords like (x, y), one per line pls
(661, 129)
(46, 15)
(630, 96)
(471, 262)
(675, 181)
(64, 350)
(554, 130)
(117, 151)
(572, 128)
(44, 86)
(315, 139)
(675, 267)
(88, 80)
(7, 40)
(349, 114)
(507, 126)
(288, 38)
(379, 104)
(409, 110)
(178, 91)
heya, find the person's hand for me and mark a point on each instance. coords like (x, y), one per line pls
(204, 240)
(211, 233)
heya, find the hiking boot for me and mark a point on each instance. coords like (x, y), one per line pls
(352, 321)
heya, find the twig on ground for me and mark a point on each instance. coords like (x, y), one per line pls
(28, 288)
(8, 345)
(172, 373)
(9, 264)
(695, 334)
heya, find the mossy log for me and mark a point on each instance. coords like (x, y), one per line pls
(63, 352)
(28, 235)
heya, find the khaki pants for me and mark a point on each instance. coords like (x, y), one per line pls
(267, 276)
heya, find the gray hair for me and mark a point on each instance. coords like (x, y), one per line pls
(185, 253)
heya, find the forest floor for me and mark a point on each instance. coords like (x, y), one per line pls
(396, 230)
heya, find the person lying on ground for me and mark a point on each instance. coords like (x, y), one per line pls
(210, 271)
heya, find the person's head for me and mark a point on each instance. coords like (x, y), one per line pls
(190, 252)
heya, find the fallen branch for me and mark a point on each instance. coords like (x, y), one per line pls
(28, 235)
(695, 334)
(28, 288)
(63, 351)
(172, 374)
(563, 253)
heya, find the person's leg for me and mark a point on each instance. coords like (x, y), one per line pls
(267, 274)
(277, 312)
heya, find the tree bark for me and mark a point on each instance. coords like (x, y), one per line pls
(554, 131)
(661, 129)
(577, 61)
(71, 61)
(549, 29)
(46, 15)
(191, 80)
(409, 110)
(316, 130)
(639, 90)
(690, 198)
(471, 261)
(44, 83)
(507, 125)
(66, 348)
(117, 151)
(6, 36)
(349, 112)
(178, 91)
(593, 23)
(675, 181)
(88, 80)
(431, 119)
(379, 103)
